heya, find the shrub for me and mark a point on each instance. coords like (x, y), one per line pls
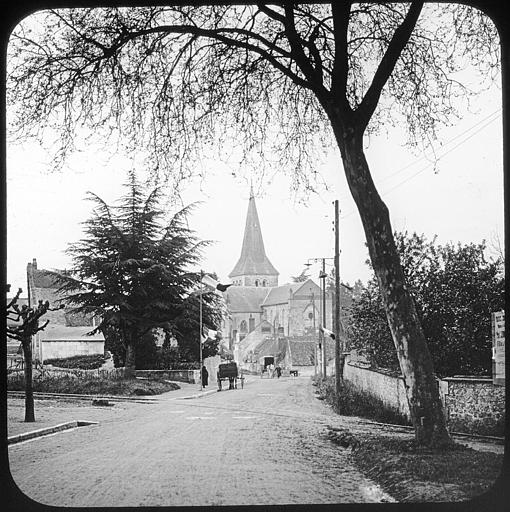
(69, 383)
(92, 362)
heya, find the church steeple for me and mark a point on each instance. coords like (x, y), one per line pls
(253, 267)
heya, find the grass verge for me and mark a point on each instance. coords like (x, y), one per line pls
(407, 472)
(412, 474)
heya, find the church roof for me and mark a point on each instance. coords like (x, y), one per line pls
(280, 294)
(253, 259)
(244, 299)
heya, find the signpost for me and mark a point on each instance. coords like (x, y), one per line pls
(498, 348)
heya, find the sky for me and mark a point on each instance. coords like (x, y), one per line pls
(460, 199)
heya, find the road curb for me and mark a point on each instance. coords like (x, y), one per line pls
(25, 436)
(197, 395)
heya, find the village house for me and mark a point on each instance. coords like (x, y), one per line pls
(67, 333)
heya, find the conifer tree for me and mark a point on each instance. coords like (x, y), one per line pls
(135, 272)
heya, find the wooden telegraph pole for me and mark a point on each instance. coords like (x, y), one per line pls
(200, 331)
(324, 352)
(338, 344)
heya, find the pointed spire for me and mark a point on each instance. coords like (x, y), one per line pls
(253, 259)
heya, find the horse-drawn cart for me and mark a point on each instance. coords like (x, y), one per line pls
(229, 371)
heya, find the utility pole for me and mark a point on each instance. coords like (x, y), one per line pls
(321, 334)
(324, 355)
(338, 344)
(315, 345)
(200, 333)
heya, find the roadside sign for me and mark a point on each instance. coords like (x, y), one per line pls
(498, 348)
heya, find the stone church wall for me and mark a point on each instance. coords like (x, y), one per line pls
(259, 280)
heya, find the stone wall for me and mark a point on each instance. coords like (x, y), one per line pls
(262, 281)
(474, 405)
(56, 349)
(385, 386)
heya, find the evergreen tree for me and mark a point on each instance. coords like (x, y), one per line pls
(135, 272)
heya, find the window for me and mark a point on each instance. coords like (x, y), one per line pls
(243, 327)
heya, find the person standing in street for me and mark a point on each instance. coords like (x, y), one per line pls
(205, 376)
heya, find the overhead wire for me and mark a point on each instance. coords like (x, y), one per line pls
(482, 124)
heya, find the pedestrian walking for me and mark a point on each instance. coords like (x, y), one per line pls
(278, 371)
(205, 376)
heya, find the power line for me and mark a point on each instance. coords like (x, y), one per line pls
(428, 166)
(424, 157)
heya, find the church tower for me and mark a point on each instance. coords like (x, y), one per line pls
(253, 267)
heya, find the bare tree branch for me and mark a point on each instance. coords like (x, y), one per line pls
(387, 64)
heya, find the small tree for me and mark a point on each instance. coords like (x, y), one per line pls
(23, 332)
(133, 271)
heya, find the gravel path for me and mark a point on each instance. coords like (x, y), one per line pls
(262, 445)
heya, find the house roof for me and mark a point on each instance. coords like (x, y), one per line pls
(244, 299)
(253, 259)
(64, 333)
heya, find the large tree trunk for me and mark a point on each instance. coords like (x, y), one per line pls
(413, 354)
(29, 391)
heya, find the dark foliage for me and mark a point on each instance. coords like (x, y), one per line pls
(134, 271)
(95, 386)
(91, 362)
(455, 290)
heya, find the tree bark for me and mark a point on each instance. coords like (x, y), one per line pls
(413, 354)
(130, 362)
(29, 391)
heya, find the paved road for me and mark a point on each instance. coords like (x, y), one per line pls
(261, 445)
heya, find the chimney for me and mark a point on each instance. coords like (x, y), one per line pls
(34, 264)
